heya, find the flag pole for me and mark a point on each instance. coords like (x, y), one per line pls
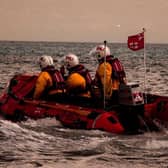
(145, 96)
(104, 97)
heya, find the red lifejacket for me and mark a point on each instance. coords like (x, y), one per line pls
(83, 72)
(57, 78)
(117, 68)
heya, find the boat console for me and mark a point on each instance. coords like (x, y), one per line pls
(130, 94)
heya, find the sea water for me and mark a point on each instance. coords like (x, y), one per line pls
(45, 143)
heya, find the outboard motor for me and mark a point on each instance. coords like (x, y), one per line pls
(131, 109)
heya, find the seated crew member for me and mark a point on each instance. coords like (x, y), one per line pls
(106, 78)
(78, 81)
(49, 80)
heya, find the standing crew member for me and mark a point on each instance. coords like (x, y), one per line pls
(108, 77)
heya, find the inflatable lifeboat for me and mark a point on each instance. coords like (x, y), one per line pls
(128, 116)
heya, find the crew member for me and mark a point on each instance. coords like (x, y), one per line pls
(107, 78)
(78, 81)
(49, 78)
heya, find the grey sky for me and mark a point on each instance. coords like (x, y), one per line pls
(83, 20)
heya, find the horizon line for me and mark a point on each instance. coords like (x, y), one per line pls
(47, 41)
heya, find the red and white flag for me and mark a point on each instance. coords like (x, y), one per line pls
(136, 42)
